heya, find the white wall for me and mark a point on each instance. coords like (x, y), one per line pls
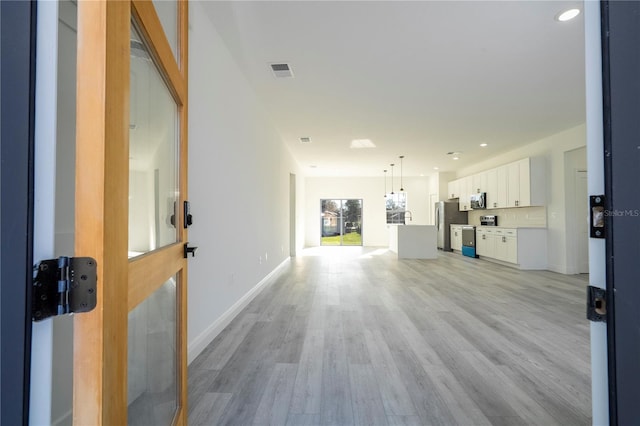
(371, 191)
(552, 149)
(577, 221)
(238, 186)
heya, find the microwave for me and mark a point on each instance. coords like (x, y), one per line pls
(479, 201)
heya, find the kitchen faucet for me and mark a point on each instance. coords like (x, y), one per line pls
(407, 212)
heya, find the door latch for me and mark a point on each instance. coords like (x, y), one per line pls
(188, 249)
(596, 304)
(596, 216)
(188, 217)
(62, 286)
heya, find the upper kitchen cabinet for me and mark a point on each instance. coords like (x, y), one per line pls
(492, 188)
(479, 182)
(453, 188)
(466, 189)
(526, 183)
(502, 197)
(517, 184)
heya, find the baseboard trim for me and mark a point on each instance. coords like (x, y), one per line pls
(206, 337)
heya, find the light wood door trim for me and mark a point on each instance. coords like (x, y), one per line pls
(152, 30)
(148, 272)
(102, 148)
(102, 174)
(183, 30)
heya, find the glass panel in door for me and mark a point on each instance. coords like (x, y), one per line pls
(153, 155)
(152, 382)
(153, 377)
(352, 218)
(341, 222)
(167, 11)
(331, 216)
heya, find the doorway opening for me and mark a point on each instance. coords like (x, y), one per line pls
(341, 222)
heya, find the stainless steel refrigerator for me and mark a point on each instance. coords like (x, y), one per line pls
(447, 214)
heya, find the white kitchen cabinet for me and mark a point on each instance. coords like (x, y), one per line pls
(501, 246)
(454, 189)
(511, 242)
(526, 183)
(517, 184)
(486, 242)
(513, 184)
(492, 188)
(465, 185)
(532, 182)
(525, 248)
(479, 183)
(502, 186)
(456, 237)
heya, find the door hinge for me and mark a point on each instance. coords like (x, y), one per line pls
(596, 304)
(62, 286)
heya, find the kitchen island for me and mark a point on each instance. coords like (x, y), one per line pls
(413, 241)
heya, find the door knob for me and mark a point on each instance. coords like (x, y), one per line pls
(188, 250)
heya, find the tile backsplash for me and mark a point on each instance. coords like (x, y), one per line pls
(534, 217)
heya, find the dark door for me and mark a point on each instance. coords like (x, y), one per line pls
(18, 85)
(621, 78)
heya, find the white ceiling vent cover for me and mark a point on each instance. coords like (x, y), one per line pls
(282, 70)
(305, 140)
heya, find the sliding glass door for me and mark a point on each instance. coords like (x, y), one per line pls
(341, 222)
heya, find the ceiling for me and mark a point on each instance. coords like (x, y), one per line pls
(418, 78)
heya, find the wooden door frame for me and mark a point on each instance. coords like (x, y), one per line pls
(102, 174)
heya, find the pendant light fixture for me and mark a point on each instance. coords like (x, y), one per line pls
(385, 183)
(392, 177)
(401, 186)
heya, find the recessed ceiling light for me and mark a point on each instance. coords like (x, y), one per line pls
(362, 143)
(421, 174)
(483, 145)
(456, 158)
(313, 166)
(567, 15)
(435, 168)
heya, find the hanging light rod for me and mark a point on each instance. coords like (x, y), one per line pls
(392, 178)
(385, 183)
(401, 186)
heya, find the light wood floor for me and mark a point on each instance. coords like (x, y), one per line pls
(356, 337)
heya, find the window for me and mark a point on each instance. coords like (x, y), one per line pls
(341, 222)
(396, 204)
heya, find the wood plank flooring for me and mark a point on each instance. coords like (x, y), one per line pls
(353, 336)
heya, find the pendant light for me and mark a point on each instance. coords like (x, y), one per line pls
(385, 183)
(392, 177)
(401, 186)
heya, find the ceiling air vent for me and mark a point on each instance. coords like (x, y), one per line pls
(282, 70)
(305, 140)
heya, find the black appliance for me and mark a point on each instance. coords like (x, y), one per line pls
(479, 201)
(489, 220)
(469, 241)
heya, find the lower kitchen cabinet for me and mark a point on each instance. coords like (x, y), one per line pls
(456, 237)
(486, 242)
(525, 248)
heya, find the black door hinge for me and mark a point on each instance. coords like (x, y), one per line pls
(64, 286)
